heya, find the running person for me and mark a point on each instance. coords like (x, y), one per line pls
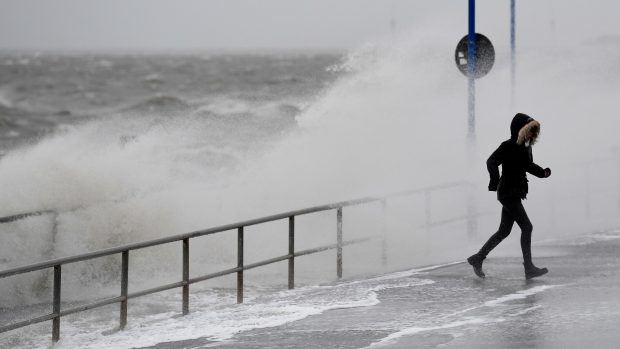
(515, 156)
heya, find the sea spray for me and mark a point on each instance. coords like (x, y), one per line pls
(396, 119)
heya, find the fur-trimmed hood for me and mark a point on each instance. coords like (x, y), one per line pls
(521, 125)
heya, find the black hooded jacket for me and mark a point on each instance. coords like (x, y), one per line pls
(516, 159)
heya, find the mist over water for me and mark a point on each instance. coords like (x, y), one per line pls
(394, 119)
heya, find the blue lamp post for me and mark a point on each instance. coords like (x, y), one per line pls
(513, 60)
(474, 57)
(471, 68)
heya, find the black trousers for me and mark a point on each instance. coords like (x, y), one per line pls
(512, 211)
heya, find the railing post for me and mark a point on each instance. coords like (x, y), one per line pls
(618, 181)
(339, 243)
(588, 192)
(291, 252)
(384, 232)
(552, 207)
(54, 233)
(427, 208)
(124, 287)
(56, 304)
(240, 265)
(472, 220)
(185, 306)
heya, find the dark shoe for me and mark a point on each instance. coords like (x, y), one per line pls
(531, 271)
(476, 262)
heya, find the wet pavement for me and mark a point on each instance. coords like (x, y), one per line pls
(576, 305)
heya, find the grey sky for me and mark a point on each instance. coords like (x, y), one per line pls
(265, 24)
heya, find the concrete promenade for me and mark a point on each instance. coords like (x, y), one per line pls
(577, 305)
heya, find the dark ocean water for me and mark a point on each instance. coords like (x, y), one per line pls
(41, 92)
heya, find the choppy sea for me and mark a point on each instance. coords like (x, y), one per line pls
(40, 93)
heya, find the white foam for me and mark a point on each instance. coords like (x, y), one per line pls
(415, 330)
(213, 320)
(468, 320)
(526, 310)
(504, 299)
(519, 295)
(411, 272)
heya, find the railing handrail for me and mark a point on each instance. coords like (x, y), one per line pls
(218, 229)
(20, 216)
(185, 282)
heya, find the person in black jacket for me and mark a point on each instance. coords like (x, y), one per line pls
(515, 156)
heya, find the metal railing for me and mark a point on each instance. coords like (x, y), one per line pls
(186, 281)
(20, 216)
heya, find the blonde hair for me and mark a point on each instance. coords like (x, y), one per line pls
(532, 128)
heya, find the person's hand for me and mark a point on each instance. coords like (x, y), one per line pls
(547, 172)
(492, 186)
